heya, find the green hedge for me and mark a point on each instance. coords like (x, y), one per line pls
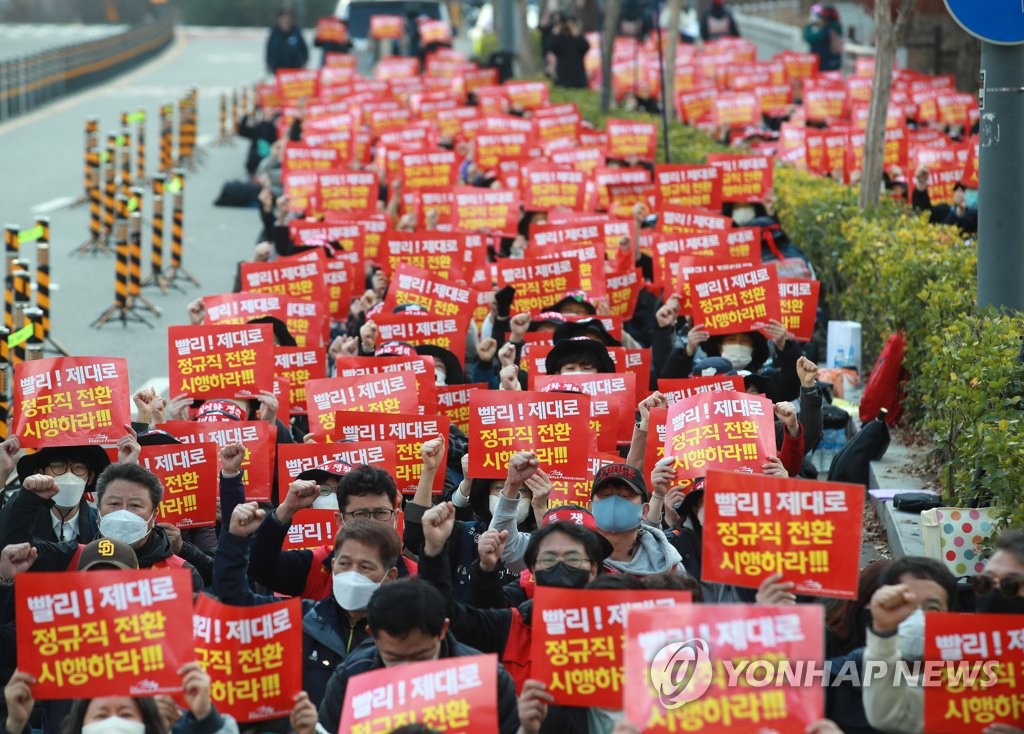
(891, 270)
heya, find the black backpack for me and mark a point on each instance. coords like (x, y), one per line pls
(869, 444)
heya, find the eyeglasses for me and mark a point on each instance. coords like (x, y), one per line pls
(58, 468)
(547, 561)
(326, 489)
(1009, 585)
(380, 515)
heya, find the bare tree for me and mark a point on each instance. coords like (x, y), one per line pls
(612, 9)
(888, 36)
(529, 64)
(668, 84)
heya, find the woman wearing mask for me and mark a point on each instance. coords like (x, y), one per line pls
(123, 714)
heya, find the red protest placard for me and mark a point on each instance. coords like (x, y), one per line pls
(346, 191)
(688, 185)
(547, 187)
(220, 361)
(300, 276)
(258, 437)
(735, 109)
(631, 139)
(971, 664)
(420, 366)
(296, 84)
(577, 490)
(408, 431)
(190, 478)
(623, 290)
(730, 303)
(489, 148)
(69, 401)
(104, 633)
(429, 169)
(410, 284)
(488, 210)
(298, 158)
(685, 387)
(714, 639)
(942, 180)
(441, 253)
(720, 430)
(539, 284)
(306, 320)
(798, 301)
(611, 400)
(453, 401)
(252, 655)
(577, 641)
(456, 694)
(551, 425)
(756, 526)
(745, 178)
(393, 393)
(386, 27)
(684, 220)
(299, 366)
(331, 30)
(295, 458)
(446, 332)
(311, 528)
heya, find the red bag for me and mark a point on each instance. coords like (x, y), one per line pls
(884, 388)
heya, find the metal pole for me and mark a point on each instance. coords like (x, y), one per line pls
(661, 71)
(1001, 150)
(506, 17)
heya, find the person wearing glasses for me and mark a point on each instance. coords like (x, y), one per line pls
(365, 556)
(1000, 589)
(355, 493)
(70, 516)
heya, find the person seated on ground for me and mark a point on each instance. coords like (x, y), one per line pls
(407, 624)
(362, 493)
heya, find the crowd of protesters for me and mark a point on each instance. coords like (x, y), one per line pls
(460, 578)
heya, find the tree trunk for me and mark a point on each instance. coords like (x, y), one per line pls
(668, 84)
(612, 9)
(887, 37)
(529, 64)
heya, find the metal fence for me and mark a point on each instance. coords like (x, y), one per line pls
(31, 81)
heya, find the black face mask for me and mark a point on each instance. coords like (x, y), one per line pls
(995, 602)
(563, 576)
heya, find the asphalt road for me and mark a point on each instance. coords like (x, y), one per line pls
(42, 157)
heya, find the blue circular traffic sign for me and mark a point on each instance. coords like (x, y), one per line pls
(995, 21)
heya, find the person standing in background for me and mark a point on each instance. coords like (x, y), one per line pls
(824, 35)
(717, 22)
(286, 48)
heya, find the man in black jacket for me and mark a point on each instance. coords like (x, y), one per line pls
(286, 48)
(406, 619)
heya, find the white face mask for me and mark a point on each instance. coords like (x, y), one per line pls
(352, 590)
(700, 515)
(114, 725)
(743, 214)
(326, 502)
(738, 354)
(911, 637)
(522, 509)
(124, 526)
(71, 490)
(439, 376)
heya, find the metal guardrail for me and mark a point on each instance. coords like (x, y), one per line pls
(31, 81)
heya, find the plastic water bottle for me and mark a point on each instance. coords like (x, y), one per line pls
(840, 358)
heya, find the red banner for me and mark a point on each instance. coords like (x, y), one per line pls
(295, 458)
(346, 191)
(674, 219)
(104, 633)
(489, 148)
(547, 187)
(453, 401)
(623, 290)
(70, 401)
(688, 185)
(410, 284)
(457, 695)
(972, 663)
(296, 84)
(299, 366)
(577, 641)
(306, 320)
(190, 475)
(612, 403)
(756, 526)
(713, 640)
(311, 528)
(331, 30)
(630, 139)
(387, 27)
(299, 158)
(540, 284)
(681, 388)
(798, 301)
(720, 430)
(431, 169)
(576, 490)
(488, 210)
(736, 302)
(745, 178)
(220, 361)
(445, 332)
(421, 367)
(408, 431)
(258, 437)
(441, 253)
(551, 425)
(299, 276)
(252, 655)
(394, 393)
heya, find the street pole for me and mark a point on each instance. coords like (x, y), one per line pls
(1001, 177)
(506, 21)
(661, 71)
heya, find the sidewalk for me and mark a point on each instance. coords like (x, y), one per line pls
(902, 529)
